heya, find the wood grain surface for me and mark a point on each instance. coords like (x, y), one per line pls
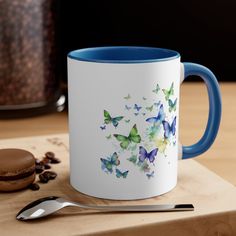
(213, 198)
(221, 158)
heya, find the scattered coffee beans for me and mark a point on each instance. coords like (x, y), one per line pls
(41, 166)
(52, 158)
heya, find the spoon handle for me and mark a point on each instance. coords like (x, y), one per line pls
(143, 208)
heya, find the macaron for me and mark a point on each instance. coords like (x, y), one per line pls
(17, 169)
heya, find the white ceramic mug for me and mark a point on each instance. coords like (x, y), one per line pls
(124, 119)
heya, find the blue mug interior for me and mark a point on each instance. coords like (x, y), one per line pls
(123, 54)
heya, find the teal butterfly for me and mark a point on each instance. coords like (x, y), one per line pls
(172, 105)
(156, 90)
(127, 121)
(110, 162)
(169, 92)
(121, 174)
(133, 137)
(133, 159)
(127, 97)
(149, 108)
(108, 119)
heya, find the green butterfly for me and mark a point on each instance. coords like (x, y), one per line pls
(156, 90)
(127, 97)
(133, 159)
(126, 141)
(108, 119)
(149, 108)
(169, 92)
(108, 137)
(172, 105)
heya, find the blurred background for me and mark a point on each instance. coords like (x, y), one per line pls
(36, 36)
(202, 31)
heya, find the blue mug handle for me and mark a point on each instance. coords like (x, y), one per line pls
(214, 115)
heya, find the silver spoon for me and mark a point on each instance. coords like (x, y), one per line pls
(48, 205)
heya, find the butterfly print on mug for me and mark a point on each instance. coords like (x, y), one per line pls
(109, 163)
(150, 175)
(144, 155)
(159, 118)
(169, 128)
(141, 148)
(120, 174)
(168, 92)
(111, 120)
(133, 137)
(172, 105)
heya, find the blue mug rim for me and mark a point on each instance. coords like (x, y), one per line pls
(123, 54)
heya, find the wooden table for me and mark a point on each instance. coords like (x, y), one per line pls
(221, 159)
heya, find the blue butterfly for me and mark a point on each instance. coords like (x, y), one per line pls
(121, 174)
(127, 107)
(143, 154)
(107, 164)
(149, 175)
(103, 127)
(136, 107)
(159, 118)
(169, 129)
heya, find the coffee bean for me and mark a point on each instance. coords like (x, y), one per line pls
(50, 155)
(43, 178)
(47, 166)
(34, 187)
(39, 168)
(49, 175)
(55, 160)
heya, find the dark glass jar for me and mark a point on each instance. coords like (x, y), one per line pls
(29, 79)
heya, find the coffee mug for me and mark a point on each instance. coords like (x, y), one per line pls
(124, 120)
